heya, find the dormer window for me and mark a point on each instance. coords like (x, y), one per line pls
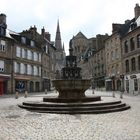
(32, 43)
(23, 40)
(2, 31)
(133, 25)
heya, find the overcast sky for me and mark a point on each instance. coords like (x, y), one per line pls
(91, 17)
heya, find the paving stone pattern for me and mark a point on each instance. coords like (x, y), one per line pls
(19, 124)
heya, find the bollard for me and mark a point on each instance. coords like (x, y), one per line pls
(45, 91)
(16, 96)
(92, 91)
(26, 93)
(121, 95)
(113, 94)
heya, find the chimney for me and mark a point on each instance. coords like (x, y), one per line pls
(43, 31)
(3, 25)
(2, 18)
(137, 11)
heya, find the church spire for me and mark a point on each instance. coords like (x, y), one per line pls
(58, 43)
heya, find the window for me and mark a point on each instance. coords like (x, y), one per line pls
(2, 31)
(126, 46)
(17, 67)
(133, 64)
(102, 69)
(23, 40)
(46, 49)
(107, 57)
(138, 41)
(113, 71)
(127, 66)
(32, 43)
(32, 55)
(139, 62)
(29, 56)
(18, 51)
(39, 57)
(112, 55)
(1, 66)
(132, 44)
(23, 51)
(22, 68)
(2, 45)
(35, 56)
(25, 54)
(35, 70)
(25, 65)
(29, 69)
(116, 54)
(135, 84)
(32, 70)
(133, 25)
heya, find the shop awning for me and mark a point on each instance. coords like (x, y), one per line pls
(5, 75)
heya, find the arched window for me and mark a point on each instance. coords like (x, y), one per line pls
(133, 64)
(127, 66)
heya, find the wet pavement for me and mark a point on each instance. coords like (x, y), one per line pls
(19, 124)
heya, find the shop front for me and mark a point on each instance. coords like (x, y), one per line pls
(4, 83)
(21, 84)
(132, 83)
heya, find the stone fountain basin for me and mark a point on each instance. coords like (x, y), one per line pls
(71, 88)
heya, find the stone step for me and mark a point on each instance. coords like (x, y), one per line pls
(73, 108)
(85, 111)
(48, 104)
(71, 100)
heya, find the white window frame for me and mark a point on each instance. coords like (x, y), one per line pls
(23, 40)
(1, 66)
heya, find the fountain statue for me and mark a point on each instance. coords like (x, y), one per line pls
(71, 84)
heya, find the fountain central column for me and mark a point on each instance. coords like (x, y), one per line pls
(71, 84)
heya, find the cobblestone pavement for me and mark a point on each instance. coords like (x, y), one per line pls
(19, 124)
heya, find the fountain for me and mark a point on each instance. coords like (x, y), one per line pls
(71, 97)
(71, 85)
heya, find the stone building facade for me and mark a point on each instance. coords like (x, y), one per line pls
(131, 54)
(27, 60)
(113, 59)
(6, 45)
(90, 53)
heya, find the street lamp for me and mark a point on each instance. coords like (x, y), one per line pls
(122, 85)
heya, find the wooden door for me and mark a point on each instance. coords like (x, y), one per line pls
(1, 88)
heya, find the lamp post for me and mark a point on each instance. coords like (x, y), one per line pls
(113, 85)
(122, 85)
